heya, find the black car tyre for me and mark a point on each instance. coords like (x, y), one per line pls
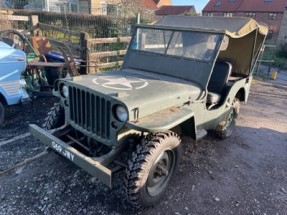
(14, 35)
(225, 128)
(55, 118)
(2, 113)
(151, 169)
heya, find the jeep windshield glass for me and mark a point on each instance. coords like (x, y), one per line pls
(195, 45)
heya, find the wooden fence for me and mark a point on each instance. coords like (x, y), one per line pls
(104, 53)
(97, 54)
(5, 15)
(60, 37)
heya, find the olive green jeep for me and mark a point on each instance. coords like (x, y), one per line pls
(181, 76)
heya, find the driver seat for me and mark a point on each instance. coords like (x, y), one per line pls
(217, 82)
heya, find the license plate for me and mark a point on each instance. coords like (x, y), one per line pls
(58, 148)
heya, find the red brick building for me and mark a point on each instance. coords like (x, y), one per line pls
(155, 4)
(149, 4)
(267, 11)
(175, 10)
(160, 3)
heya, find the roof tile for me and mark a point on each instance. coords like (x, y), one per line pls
(263, 6)
(224, 6)
(245, 6)
(175, 10)
(149, 4)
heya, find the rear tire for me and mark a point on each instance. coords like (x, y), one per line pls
(2, 114)
(55, 118)
(151, 169)
(225, 128)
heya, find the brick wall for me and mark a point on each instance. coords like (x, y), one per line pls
(273, 25)
(282, 37)
(213, 13)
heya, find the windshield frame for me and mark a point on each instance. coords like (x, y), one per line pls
(174, 30)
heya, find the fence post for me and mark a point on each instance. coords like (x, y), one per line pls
(85, 51)
(90, 62)
(34, 20)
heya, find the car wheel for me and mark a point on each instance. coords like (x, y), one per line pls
(14, 38)
(151, 169)
(2, 113)
(225, 128)
(55, 118)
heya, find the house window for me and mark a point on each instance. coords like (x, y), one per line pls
(227, 14)
(84, 7)
(218, 4)
(251, 15)
(74, 8)
(209, 14)
(64, 8)
(113, 10)
(272, 16)
(103, 10)
(267, 0)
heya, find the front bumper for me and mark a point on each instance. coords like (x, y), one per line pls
(90, 165)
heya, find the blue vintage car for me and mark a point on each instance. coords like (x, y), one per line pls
(12, 64)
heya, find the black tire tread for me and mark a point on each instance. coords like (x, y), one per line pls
(12, 31)
(220, 131)
(55, 118)
(138, 162)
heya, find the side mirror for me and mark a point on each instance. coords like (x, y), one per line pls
(224, 44)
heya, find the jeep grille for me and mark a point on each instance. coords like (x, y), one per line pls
(90, 112)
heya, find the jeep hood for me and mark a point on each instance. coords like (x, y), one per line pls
(142, 91)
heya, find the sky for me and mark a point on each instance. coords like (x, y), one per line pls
(199, 4)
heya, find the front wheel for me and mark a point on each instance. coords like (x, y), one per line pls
(225, 128)
(55, 118)
(151, 169)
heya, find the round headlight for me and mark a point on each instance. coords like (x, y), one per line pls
(65, 91)
(121, 113)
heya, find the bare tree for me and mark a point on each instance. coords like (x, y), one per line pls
(131, 8)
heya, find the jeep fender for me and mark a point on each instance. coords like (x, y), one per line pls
(240, 90)
(162, 120)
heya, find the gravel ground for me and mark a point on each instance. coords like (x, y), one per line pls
(245, 174)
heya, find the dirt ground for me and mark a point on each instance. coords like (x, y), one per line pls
(245, 174)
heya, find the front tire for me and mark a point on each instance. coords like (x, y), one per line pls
(55, 118)
(151, 169)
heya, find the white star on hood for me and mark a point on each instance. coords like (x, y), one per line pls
(126, 82)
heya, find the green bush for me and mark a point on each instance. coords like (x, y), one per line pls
(279, 56)
(283, 51)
